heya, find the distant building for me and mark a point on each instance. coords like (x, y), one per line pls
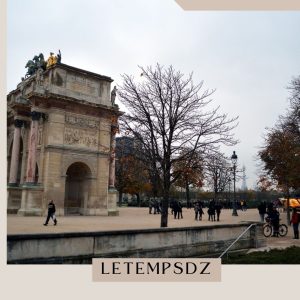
(124, 146)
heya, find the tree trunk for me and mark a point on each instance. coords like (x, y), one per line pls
(154, 186)
(165, 207)
(288, 216)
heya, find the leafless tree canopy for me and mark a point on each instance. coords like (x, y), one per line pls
(217, 171)
(168, 113)
(294, 88)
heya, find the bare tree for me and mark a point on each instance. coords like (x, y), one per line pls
(218, 172)
(168, 114)
(294, 89)
(189, 173)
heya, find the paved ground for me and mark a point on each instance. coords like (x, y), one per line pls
(135, 218)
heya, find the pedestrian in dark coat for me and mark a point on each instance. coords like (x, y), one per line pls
(51, 213)
(295, 222)
(262, 210)
(196, 209)
(180, 210)
(177, 209)
(218, 208)
(150, 206)
(211, 211)
(201, 212)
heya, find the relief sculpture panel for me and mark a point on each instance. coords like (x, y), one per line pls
(81, 138)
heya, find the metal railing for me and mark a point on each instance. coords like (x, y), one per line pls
(254, 224)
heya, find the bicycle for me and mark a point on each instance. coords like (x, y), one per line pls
(268, 229)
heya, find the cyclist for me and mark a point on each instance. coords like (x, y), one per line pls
(274, 218)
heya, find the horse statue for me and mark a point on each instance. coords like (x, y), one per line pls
(33, 65)
(38, 62)
(31, 68)
(42, 63)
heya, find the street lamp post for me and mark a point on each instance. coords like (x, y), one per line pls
(234, 162)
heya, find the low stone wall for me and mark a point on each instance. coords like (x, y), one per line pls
(67, 248)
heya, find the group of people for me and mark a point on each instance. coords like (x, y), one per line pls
(214, 209)
(175, 206)
(176, 209)
(198, 208)
(155, 205)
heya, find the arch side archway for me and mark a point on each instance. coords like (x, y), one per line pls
(77, 188)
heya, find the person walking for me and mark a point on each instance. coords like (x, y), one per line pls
(196, 209)
(201, 212)
(175, 208)
(180, 210)
(262, 210)
(211, 211)
(218, 208)
(295, 222)
(150, 206)
(51, 213)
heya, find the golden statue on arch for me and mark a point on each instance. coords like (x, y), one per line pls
(52, 59)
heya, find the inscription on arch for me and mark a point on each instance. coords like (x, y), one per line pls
(82, 122)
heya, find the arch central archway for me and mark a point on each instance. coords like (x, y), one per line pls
(77, 188)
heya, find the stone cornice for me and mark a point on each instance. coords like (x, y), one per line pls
(76, 149)
(69, 100)
(81, 71)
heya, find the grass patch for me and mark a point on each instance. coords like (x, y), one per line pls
(289, 255)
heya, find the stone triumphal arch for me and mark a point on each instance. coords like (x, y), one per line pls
(62, 123)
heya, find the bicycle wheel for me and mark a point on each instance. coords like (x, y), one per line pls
(267, 230)
(283, 230)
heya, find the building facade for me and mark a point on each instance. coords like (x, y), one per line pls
(61, 127)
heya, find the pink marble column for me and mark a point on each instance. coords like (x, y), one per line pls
(14, 163)
(32, 144)
(112, 163)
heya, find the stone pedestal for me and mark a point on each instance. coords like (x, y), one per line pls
(32, 201)
(14, 195)
(112, 202)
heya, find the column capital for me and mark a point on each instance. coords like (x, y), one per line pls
(19, 123)
(36, 115)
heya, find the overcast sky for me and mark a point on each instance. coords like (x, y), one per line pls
(249, 57)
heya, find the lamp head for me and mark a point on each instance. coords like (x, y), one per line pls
(234, 158)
